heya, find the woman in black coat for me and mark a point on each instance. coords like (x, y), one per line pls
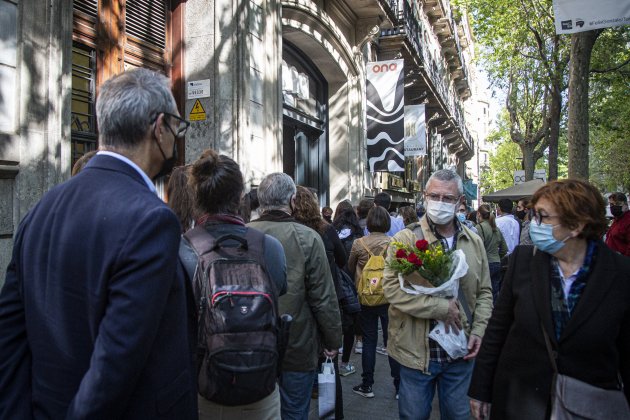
(307, 212)
(575, 288)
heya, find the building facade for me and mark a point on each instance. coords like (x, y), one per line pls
(279, 85)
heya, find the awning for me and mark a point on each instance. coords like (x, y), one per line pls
(470, 190)
(516, 192)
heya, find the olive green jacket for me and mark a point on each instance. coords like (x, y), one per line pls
(493, 241)
(310, 299)
(410, 315)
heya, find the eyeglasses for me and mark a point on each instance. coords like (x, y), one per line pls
(538, 217)
(450, 199)
(182, 124)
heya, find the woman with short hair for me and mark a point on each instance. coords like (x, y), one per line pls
(376, 243)
(566, 296)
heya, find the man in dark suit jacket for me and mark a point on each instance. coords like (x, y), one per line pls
(93, 314)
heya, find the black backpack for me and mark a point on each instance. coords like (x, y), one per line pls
(238, 318)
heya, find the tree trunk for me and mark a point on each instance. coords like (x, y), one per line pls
(527, 149)
(579, 65)
(555, 112)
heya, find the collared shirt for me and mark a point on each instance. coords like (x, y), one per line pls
(510, 229)
(129, 162)
(436, 352)
(566, 292)
(396, 226)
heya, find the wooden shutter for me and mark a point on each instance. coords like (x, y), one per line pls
(147, 40)
(85, 17)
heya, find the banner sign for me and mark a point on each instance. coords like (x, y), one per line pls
(415, 131)
(585, 15)
(385, 116)
(519, 176)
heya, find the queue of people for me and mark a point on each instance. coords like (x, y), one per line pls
(223, 304)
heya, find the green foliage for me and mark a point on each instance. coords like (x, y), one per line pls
(609, 110)
(527, 60)
(505, 158)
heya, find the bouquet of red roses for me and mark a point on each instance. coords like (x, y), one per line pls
(429, 261)
(428, 270)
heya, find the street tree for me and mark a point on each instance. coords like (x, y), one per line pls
(582, 44)
(609, 147)
(529, 61)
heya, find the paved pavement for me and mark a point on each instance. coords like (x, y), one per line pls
(383, 406)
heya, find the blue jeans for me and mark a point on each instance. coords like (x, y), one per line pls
(417, 390)
(295, 394)
(369, 324)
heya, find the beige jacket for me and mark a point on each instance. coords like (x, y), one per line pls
(410, 315)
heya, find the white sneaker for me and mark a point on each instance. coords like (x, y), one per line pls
(358, 347)
(346, 369)
(381, 350)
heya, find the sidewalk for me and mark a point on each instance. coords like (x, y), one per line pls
(383, 406)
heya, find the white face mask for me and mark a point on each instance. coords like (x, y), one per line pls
(440, 213)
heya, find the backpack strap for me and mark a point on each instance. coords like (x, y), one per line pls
(200, 240)
(256, 244)
(365, 246)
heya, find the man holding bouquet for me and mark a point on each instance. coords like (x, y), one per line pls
(425, 364)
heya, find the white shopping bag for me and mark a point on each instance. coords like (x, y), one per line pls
(326, 383)
(456, 345)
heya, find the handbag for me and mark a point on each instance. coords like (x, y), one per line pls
(574, 399)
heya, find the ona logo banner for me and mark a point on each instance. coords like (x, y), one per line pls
(381, 68)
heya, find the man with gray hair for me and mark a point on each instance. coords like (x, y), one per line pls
(94, 321)
(310, 299)
(424, 363)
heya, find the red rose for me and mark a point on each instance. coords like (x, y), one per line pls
(413, 259)
(422, 244)
(401, 253)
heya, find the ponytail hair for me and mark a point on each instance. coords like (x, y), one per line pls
(488, 215)
(217, 183)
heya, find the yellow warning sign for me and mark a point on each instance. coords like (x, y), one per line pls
(197, 113)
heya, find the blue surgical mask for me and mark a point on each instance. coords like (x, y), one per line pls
(461, 217)
(542, 237)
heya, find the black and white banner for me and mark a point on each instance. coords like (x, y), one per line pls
(415, 131)
(585, 15)
(385, 117)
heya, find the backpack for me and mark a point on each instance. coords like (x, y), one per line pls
(238, 318)
(371, 282)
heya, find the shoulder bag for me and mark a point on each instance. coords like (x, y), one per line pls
(574, 399)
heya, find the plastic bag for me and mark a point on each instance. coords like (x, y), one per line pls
(456, 345)
(459, 268)
(326, 385)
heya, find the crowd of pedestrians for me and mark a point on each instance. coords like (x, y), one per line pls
(117, 305)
